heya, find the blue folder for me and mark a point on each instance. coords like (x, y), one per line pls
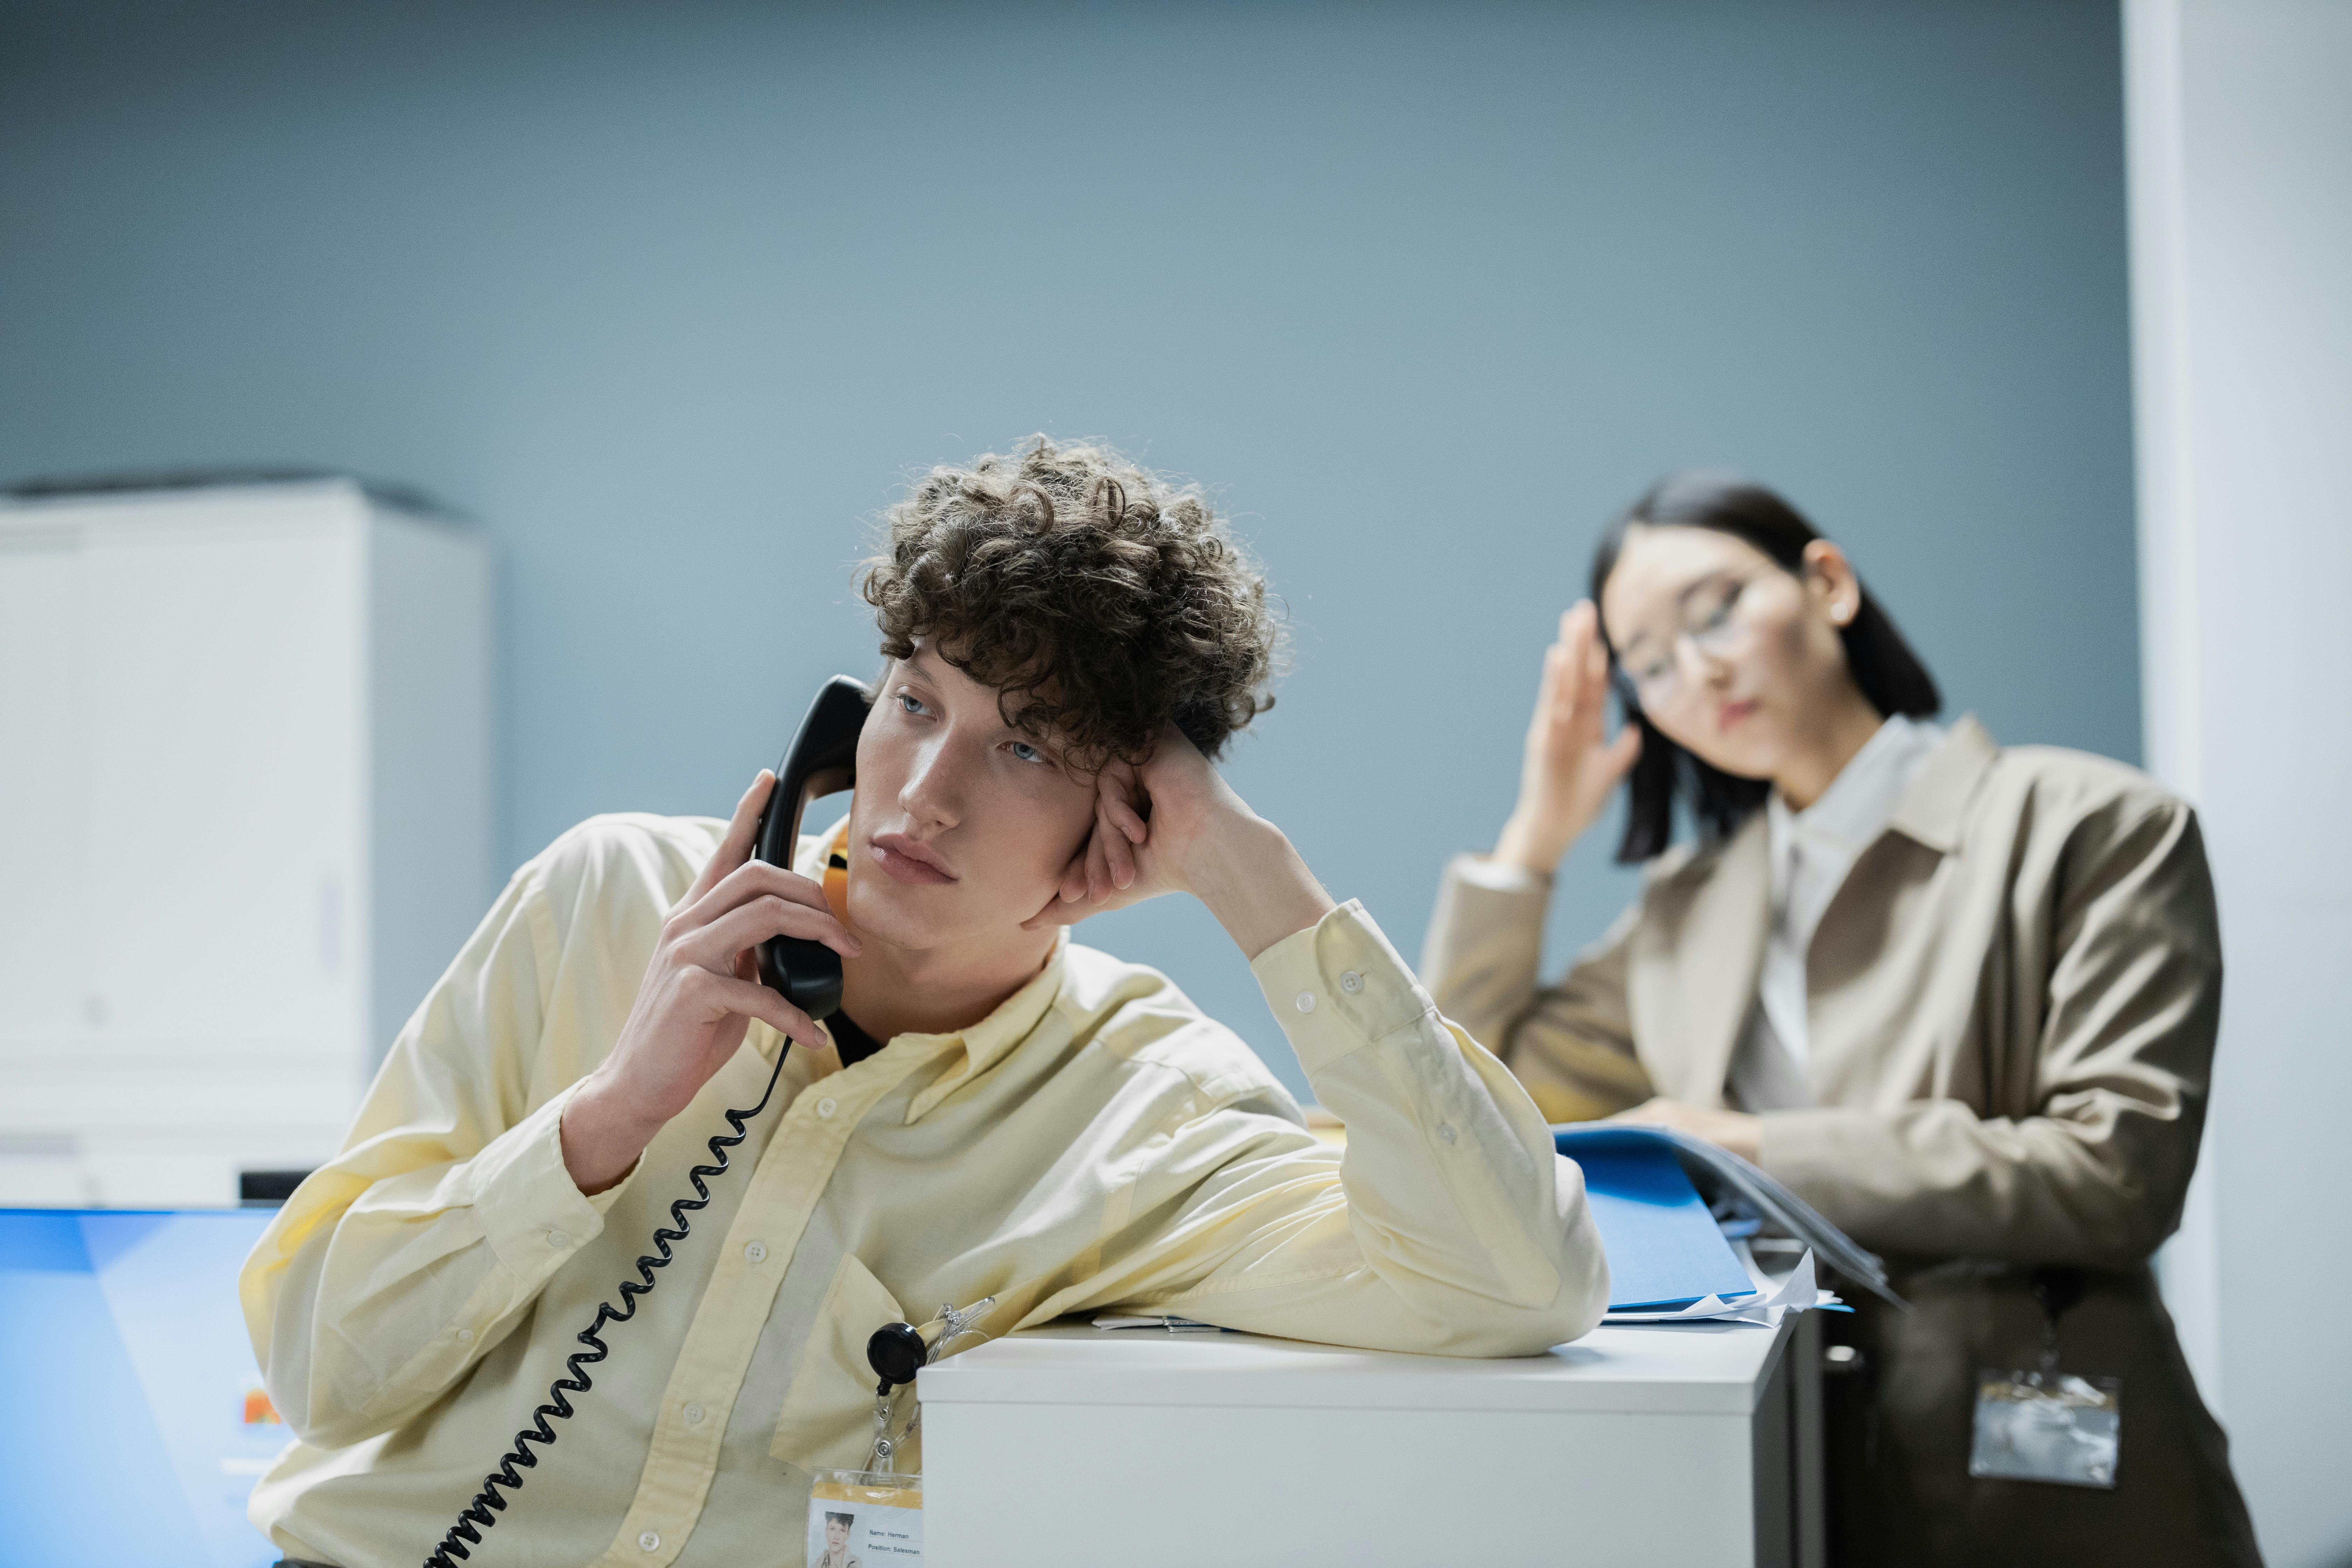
(1664, 1249)
(135, 1423)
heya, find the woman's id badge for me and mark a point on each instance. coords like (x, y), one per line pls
(2047, 1427)
(865, 1519)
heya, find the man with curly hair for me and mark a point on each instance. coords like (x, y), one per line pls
(996, 1111)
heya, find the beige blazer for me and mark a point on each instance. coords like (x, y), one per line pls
(2012, 1004)
(2011, 1011)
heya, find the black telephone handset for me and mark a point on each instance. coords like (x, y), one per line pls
(823, 761)
(820, 761)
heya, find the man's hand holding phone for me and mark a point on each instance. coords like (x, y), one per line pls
(700, 993)
(1175, 825)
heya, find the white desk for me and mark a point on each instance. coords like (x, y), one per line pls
(1656, 1446)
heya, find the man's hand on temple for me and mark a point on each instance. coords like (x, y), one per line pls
(699, 995)
(1175, 825)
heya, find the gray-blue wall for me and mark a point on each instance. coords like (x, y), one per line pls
(673, 297)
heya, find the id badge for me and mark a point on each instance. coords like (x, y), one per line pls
(865, 1519)
(2047, 1427)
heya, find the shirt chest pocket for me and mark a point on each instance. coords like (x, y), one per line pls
(828, 1421)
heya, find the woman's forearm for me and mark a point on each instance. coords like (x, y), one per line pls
(1531, 844)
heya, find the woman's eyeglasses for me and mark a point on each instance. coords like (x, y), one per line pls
(1712, 624)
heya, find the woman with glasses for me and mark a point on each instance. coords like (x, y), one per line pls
(1960, 996)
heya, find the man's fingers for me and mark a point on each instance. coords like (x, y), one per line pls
(1097, 869)
(1119, 850)
(1053, 914)
(1057, 912)
(1128, 820)
(754, 877)
(736, 846)
(1118, 793)
(717, 944)
(752, 880)
(724, 994)
(1060, 911)
(745, 824)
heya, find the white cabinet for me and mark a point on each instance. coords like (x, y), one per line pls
(245, 819)
(1633, 1445)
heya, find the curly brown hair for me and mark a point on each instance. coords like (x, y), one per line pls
(1100, 599)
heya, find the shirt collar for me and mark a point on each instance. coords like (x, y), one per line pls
(994, 1037)
(1864, 797)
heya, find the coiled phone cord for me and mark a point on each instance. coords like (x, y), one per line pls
(477, 1516)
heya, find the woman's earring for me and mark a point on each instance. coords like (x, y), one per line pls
(1841, 615)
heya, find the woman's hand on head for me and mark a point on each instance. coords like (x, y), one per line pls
(1736, 1131)
(1175, 825)
(700, 993)
(1569, 765)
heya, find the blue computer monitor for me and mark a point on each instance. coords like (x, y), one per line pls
(134, 1424)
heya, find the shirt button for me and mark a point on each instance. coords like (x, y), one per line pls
(827, 1106)
(1351, 983)
(649, 1541)
(694, 1415)
(559, 1239)
(1306, 1003)
(464, 1336)
(1445, 1131)
(756, 1253)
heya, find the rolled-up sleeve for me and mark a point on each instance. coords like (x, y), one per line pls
(399, 1263)
(1449, 1224)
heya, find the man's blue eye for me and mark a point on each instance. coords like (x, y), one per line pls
(908, 704)
(1027, 753)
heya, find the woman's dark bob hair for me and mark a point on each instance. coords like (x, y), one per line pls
(1889, 673)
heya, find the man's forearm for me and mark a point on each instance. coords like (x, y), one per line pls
(1458, 1235)
(602, 1138)
(1254, 882)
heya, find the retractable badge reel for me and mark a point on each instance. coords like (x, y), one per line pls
(874, 1517)
(2045, 1425)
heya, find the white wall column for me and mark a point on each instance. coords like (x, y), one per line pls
(2239, 146)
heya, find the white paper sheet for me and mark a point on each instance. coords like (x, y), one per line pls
(1797, 1293)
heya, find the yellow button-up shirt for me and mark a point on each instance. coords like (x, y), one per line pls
(1094, 1142)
